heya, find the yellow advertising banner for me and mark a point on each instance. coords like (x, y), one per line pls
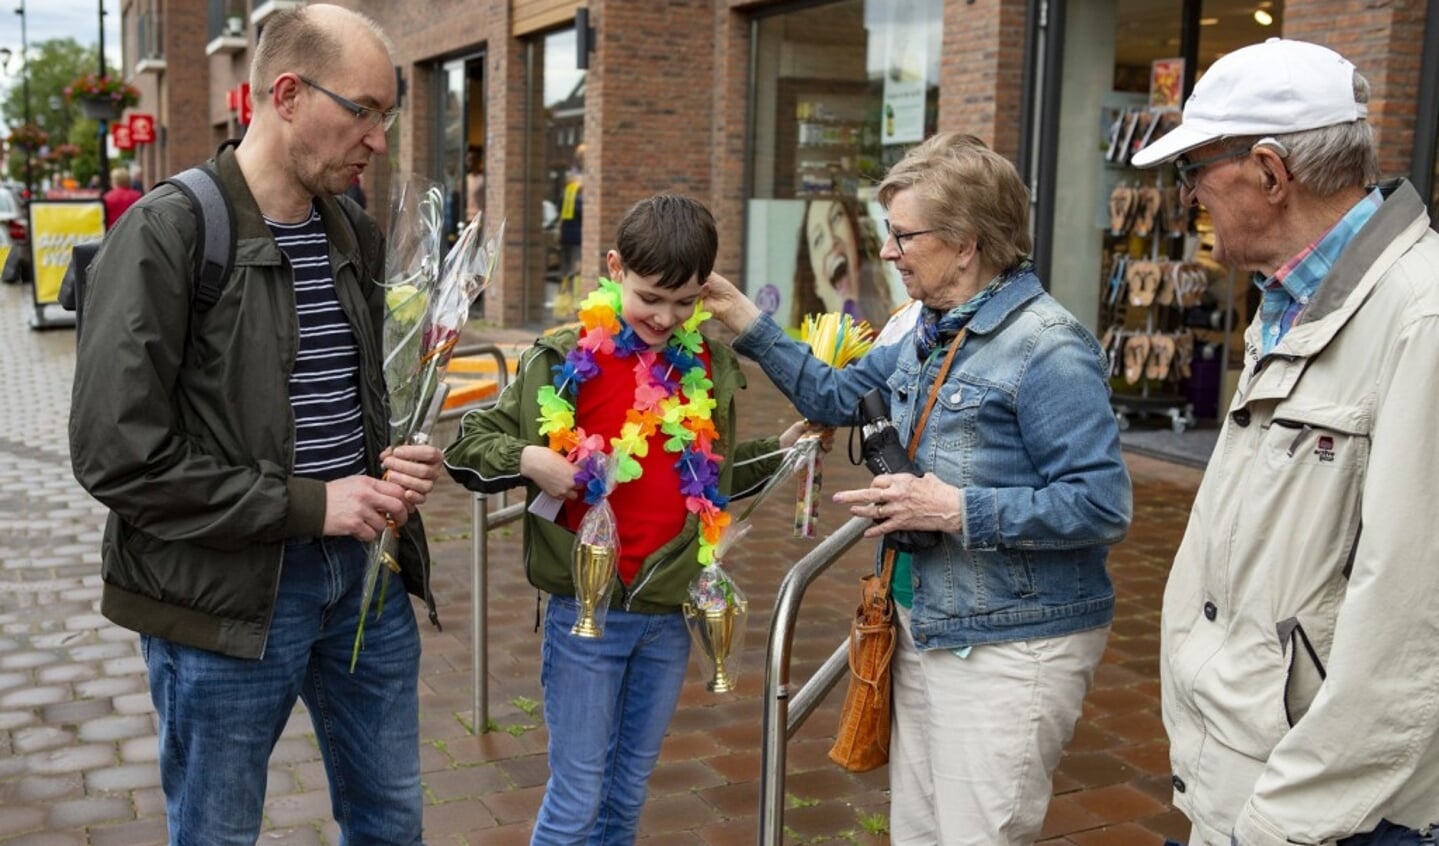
(56, 226)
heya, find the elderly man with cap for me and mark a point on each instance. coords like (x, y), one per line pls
(1300, 651)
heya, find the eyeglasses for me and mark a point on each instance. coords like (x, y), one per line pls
(373, 117)
(1187, 172)
(899, 236)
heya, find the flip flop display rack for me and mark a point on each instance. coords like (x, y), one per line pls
(1147, 281)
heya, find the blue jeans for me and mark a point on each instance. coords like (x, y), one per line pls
(220, 716)
(608, 702)
(1387, 834)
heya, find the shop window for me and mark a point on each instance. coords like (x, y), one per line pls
(841, 92)
(461, 141)
(554, 266)
(1171, 318)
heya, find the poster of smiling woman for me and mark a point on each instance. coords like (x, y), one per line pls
(820, 255)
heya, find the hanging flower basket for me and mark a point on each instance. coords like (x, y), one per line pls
(28, 137)
(100, 108)
(102, 97)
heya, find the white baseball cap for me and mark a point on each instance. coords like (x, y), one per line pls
(1271, 88)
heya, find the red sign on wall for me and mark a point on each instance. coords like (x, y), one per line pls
(142, 128)
(122, 136)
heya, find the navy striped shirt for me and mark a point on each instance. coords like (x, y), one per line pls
(325, 384)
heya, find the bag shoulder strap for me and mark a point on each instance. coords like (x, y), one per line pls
(934, 392)
(886, 572)
(216, 253)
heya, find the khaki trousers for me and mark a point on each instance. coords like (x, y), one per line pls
(975, 740)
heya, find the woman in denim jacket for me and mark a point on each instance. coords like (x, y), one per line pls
(1002, 623)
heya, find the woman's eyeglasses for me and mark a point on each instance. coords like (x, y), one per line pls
(373, 117)
(899, 236)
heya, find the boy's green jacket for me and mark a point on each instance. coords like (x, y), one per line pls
(486, 458)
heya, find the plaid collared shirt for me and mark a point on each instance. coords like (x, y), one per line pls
(1288, 291)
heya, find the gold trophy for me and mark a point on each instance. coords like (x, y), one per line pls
(719, 631)
(594, 572)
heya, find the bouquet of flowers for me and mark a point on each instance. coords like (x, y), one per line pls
(835, 339)
(94, 86)
(427, 301)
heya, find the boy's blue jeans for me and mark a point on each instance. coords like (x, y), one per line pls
(220, 716)
(608, 702)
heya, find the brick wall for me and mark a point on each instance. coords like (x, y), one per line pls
(982, 71)
(186, 92)
(1383, 40)
(726, 133)
(649, 106)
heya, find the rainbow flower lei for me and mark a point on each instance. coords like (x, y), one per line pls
(660, 380)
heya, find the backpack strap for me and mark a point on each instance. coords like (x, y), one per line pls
(201, 184)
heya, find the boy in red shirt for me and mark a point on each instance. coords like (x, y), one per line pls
(609, 700)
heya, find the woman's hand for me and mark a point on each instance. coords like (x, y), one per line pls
(903, 501)
(728, 303)
(552, 472)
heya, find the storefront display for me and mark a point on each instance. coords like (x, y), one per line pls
(842, 90)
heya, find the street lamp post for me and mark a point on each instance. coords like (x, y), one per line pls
(104, 125)
(25, 83)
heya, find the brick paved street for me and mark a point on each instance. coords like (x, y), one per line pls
(77, 735)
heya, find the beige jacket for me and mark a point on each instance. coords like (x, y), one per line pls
(1300, 646)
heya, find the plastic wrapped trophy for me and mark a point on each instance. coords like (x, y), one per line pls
(716, 616)
(593, 566)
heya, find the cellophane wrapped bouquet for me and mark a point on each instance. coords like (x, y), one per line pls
(836, 339)
(428, 295)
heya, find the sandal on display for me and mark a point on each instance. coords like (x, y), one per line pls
(1126, 138)
(1183, 353)
(1142, 128)
(1116, 277)
(1168, 283)
(1146, 209)
(1136, 352)
(1143, 280)
(1193, 283)
(1121, 208)
(1176, 213)
(1161, 355)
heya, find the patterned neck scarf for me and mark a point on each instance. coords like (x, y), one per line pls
(935, 329)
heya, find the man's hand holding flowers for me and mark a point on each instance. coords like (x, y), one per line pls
(414, 467)
(357, 507)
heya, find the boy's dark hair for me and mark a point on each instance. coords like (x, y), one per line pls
(670, 236)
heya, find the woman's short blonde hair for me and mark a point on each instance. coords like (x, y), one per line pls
(966, 190)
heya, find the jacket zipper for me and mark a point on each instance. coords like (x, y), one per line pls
(630, 594)
(289, 371)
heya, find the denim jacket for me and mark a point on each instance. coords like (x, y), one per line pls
(1023, 428)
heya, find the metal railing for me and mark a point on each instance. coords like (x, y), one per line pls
(783, 715)
(481, 521)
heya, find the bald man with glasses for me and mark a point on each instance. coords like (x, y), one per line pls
(241, 450)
